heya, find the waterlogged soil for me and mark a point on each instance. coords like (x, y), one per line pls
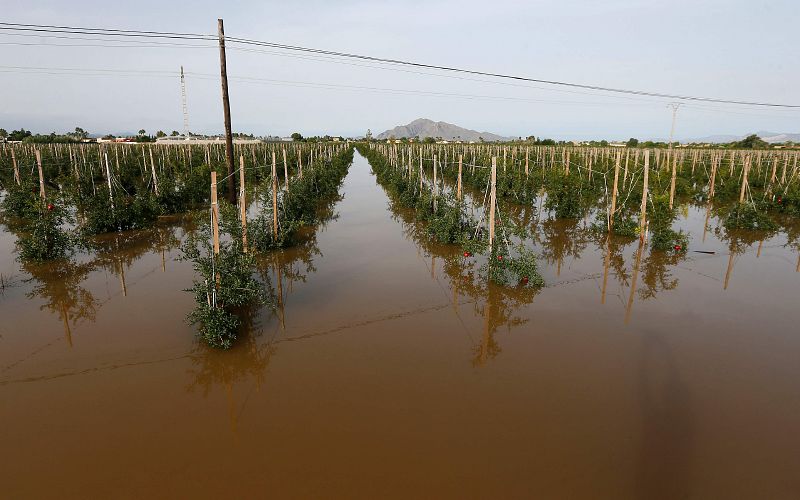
(385, 373)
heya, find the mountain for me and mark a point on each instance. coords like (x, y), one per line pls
(423, 128)
(770, 137)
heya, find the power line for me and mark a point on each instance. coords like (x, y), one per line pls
(244, 41)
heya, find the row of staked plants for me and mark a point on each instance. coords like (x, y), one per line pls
(447, 221)
(226, 289)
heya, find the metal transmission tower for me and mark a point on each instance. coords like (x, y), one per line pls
(185, 107)
(674, 107)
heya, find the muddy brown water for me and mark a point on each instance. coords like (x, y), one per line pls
(386, 374)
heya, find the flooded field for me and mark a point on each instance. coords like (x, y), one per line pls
(384, 372)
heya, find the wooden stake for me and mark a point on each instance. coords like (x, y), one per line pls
(492, 200)
(274, 197)
(458, 188)
(285, 171)
(16, 168)
(214, 213)
(41, 174)
(672, 182)
(746, 171)
(643, 216)
(614, 194)
(243, 203)
(153, 171)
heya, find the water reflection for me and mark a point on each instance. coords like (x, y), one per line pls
(58, 285)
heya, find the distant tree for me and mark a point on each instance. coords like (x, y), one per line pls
(108, 137)
(369, 135)
(80, 134)
(429, 140)
(160, 133)
(297, 137)
(18, 135)
(175, 133)
(632, 142)
(142, 131)
(3, 133)
(752, 141)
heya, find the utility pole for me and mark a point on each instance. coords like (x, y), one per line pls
(226, 106)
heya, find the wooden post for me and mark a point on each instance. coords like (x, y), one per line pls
(746, 170)
(435, 184)
(714, 163)
(458, 188)
(285, 171)
(226, 107)
(153, 171)
(300, 161)
(41, 174)
(243, 203)
(274, 197)
(16, 168)
(643, 216)
(492, 200)
(672, 182)
(526, 161)
(420, 169)
(214, 213)
(614, 194)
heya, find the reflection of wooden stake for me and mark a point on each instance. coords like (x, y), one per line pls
(797, 269)
(728, 272)
(635, 279)
(605, 271)
(65, 318)
(122, 279)
(758, 253)
(705, 226)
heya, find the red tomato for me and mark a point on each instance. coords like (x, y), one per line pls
(50, 206)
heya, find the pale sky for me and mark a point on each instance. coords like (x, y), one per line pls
(728, 49)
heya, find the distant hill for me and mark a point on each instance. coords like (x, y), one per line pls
(423, 128)
(770, 137)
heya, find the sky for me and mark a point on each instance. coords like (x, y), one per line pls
(727, 49)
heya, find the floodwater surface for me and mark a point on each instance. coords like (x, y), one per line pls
(387, 372)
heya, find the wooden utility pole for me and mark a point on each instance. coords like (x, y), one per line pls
(226, 107)
(492, 200)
